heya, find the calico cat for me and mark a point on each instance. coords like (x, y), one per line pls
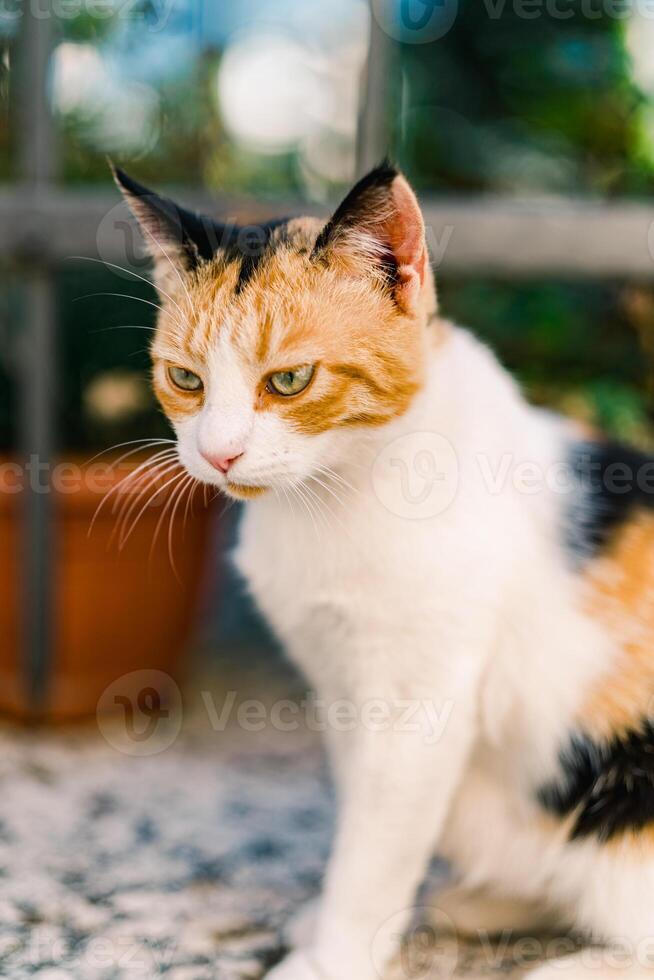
(306, 370)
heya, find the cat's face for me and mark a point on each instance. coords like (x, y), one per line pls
(277, 345)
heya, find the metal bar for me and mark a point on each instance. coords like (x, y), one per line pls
(36, 153)
(37, 438)
(37, 162)
(568, 238)
(373, 137)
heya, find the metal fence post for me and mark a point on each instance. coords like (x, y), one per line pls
(37, 163)
(373, 137)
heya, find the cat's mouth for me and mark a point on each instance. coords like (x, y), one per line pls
(244, 491)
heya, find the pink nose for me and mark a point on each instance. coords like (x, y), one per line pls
(221, 463)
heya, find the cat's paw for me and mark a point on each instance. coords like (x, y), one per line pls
(297, 966)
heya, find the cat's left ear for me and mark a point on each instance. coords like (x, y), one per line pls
(177, 239)
(379, 229)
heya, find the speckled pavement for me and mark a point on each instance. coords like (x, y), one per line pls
(183, 863)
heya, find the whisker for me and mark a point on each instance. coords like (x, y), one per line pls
(172, 264)
(321, 506)
(289, 500)
(132, 480)
(171, 497)
(122, 268)
(329, 509)
(148, 502)
(329, 490)
(297, 487)
(189, 504)
(132, 494)
(230, 502)
(132, 442)
(146, 479)
(137, 299)
(328, 471)
(117, 486)
(150, 478)
(128, 326)
(186, 486)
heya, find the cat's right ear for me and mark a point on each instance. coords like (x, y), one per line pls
(177, 239)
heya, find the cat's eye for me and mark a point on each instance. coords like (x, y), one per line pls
(291, 382)
(186, 380)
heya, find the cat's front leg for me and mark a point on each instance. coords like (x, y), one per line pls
(405, 755)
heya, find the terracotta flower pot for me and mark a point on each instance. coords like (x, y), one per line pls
(118, 604)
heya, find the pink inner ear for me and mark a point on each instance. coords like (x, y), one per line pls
(406, 235)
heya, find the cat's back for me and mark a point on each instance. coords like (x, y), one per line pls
(602, 782)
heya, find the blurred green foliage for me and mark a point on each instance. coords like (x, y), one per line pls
(103, 348)
(510, 103)
(586, 349)
(500, 104)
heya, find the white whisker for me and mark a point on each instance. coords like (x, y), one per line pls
(130, 476)
(137, 299)
(148, 502)
(132, 442)
(172, 264)
(113, 265)
(186, 485)
(145, 482)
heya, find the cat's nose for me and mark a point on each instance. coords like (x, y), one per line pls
(220, 462)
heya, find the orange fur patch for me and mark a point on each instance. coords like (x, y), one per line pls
(246, 492)
(622, 597)
(177, 404)
(369, 353)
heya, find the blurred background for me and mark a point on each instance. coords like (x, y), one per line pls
(528, 130)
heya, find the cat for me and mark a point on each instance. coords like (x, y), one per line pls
(306, 370)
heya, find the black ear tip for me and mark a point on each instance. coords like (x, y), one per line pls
(119, 176)
(126, 183)
(381, 176)
(387, 165)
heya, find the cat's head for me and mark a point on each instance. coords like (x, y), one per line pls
(277, 345)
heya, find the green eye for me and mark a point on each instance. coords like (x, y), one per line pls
(291, 382)
(184, 379)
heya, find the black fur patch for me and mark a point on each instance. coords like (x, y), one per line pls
(609, 787)
(365, 201)
(254, 244)
(611, 482)
(365, 198)
(201, 237)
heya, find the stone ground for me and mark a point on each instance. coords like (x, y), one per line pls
(179, 856)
